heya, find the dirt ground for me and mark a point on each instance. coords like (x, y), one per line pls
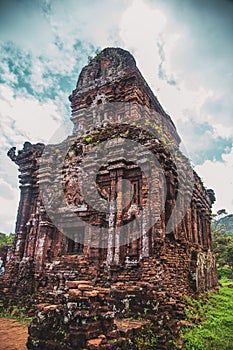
(13, 335)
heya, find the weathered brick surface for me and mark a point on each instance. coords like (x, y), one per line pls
(4, 252)
(86, 295)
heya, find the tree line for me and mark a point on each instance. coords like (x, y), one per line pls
(222, 236)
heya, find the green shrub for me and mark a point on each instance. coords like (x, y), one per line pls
(5, 239)
(225, 272)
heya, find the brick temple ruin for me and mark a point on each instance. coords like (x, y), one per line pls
(96, 285)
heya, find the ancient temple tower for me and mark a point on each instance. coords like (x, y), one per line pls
(116, 204)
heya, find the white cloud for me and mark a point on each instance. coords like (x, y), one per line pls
(93, 21)
(182, 48)
(6, 75)
(25, 117)
(219, 176)
(140, 29)
(222, 130)
(6, 191)
(9, 199)
(8, 170)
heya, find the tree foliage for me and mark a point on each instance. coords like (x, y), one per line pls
(223, 244)
(5, 239)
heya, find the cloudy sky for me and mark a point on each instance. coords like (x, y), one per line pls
(183, 48)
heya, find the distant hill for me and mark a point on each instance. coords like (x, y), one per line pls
(225, 223)
(6, 239)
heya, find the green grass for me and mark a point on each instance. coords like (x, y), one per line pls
(215, 331)
(16, 313)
